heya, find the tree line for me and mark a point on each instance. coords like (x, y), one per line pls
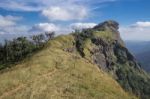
(17, 49)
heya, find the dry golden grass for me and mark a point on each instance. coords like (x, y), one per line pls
(56, 74)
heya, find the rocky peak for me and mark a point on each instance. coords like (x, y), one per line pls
(110, 24)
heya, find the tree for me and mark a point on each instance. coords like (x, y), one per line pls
(50, 35)
(38, 39)
(15, 50)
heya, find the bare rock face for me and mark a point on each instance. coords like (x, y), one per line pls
(103, 55)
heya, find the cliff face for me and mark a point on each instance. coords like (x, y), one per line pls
(103, 46)
(113, 50)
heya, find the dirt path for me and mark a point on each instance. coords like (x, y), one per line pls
(13, 91)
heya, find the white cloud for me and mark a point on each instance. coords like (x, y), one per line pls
(44, 27)
(80, 26)
(10, 32)
(19, 6)
(65, 13)
(66, 10)
(8, 20)
(139, 31)
(141, 24)
(8, 24)
(13, 29)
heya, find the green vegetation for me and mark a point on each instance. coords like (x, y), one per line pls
(131, 77)
(80, 38)
(133, 81)
(107, 35)
(17, 49)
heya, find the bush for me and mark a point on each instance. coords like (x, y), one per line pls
(80, 38)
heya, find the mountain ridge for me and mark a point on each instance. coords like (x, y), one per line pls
(58, 73)
(88, 64)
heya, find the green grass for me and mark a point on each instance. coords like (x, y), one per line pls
(54, 73)
(107, 35)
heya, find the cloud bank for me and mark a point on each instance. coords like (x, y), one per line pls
(139, 31)
(8, 20)
(80, 26)
(141, 24)
(44, 27)
(65, 13)
(8, 24)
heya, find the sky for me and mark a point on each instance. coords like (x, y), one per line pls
(27, 17)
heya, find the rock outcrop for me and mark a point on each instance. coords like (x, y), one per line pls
(108, 51)
(111, 25)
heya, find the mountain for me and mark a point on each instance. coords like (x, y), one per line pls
(59, 72)
(144, 59)
(137, 47)
(141, 51)
(91, 64)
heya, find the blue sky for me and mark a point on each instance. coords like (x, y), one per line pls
(24, 17)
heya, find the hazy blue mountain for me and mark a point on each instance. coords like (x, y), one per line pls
(144, 58)
(137, 47)
(141, 50)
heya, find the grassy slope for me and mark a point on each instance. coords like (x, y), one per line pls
(56, 74)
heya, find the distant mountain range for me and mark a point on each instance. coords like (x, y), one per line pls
(141, 50)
